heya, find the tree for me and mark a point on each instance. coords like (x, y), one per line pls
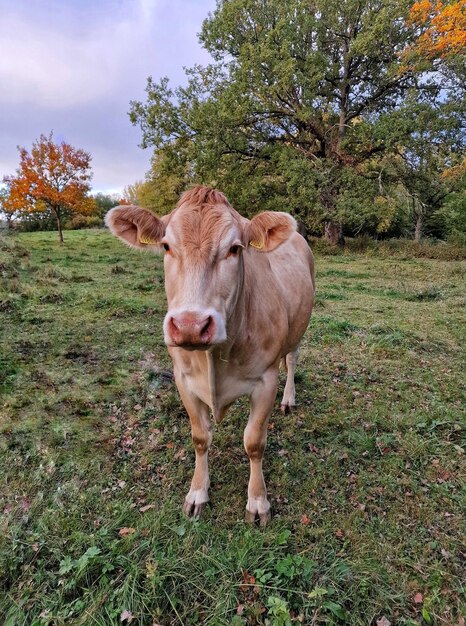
(442, 26)
(168, 177)
(431, 164)
(296, 86)
(7, 207)
(104, 202)
(130, 192)
(53, 177)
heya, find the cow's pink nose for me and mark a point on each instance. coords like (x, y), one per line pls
(191, 329)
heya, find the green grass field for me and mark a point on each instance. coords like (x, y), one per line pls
(366, 477)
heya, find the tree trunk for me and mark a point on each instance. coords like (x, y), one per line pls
(333, 233)
(60, 232)
(418, 229)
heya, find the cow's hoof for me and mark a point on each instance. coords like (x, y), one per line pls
(264, 516)
(195, 502)
(286, 409)
(193, 510)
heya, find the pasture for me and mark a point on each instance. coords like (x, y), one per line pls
(365, 477)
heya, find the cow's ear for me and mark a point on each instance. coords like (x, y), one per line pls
(135, 226)
(269, 229)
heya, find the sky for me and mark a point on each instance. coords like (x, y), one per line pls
(72, 67)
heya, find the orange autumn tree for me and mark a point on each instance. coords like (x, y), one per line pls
(53, 177)
(443, 28)
(7, 207)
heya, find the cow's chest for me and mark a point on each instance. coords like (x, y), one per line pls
(218, 384)
(227, 387)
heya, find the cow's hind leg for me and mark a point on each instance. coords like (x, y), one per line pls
(201, 431)
(255, 438)
(289, 393)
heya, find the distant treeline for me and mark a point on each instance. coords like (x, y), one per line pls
(349, 115)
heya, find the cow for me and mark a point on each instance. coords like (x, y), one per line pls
(240, 294)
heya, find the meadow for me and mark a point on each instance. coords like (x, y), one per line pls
(366, 476)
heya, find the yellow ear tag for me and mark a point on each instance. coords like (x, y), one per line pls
(256, 244)
(145, 240)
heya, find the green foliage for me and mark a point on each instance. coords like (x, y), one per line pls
(166, 180)
(451, 217)
(104, 202)
(310, 108)
(83, 221)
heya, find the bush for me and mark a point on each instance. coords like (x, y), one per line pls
(83, 221)
(401, 248)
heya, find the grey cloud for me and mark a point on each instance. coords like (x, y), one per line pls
(76, 72)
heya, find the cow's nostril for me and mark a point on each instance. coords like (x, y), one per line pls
(207, 326)
(173, 324)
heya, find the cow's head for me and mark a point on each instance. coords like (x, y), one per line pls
(203, 240)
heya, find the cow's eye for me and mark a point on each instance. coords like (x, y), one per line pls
(166, 247)
(234, 249)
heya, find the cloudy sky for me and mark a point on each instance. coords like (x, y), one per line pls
(72, 66)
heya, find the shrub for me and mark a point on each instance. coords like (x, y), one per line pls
(83, 221)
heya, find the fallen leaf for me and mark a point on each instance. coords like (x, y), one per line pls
(126, 616)
(339, 533)
(418, 598)
(240, 609)
(122, 484)
(383, 621)
(305, 520)
(126, 531)
(143, 509)
(180, 455)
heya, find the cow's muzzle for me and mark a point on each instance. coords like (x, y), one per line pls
(190, 330)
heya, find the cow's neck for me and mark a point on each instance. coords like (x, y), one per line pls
(219, 357)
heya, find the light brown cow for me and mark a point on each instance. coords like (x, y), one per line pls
(240, 294)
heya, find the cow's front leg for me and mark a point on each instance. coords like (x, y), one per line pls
(255, 438)
(201, 431)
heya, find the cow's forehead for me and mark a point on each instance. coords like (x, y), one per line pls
(203, 229)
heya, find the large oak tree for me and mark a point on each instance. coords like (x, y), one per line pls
(300, 93)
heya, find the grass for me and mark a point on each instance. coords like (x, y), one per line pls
(366, 477)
